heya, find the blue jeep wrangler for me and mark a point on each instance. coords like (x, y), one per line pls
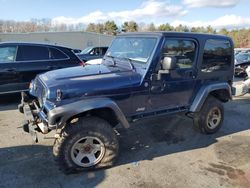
(142, 75)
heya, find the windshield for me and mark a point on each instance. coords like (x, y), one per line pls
(86, 50)
(243, 57)
(134, 48)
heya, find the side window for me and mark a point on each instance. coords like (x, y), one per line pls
(217, 56)
(57, 54)
(182, 50)
(7, 54)
(104, 50)
(96, 51)
(32, 53)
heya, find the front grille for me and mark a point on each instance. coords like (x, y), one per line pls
(39, 91)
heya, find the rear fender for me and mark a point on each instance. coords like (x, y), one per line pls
(205, 91)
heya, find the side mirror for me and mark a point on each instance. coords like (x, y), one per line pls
(169, 63)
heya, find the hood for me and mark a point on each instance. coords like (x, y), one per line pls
(89, 81)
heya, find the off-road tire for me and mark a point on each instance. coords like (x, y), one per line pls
(201, 118)
(90, 127)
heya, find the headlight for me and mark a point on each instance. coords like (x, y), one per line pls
(31, 86)
(44, 98)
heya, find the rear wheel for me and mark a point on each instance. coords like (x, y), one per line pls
(90, 143)
(210, 118)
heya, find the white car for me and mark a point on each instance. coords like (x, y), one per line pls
(243, 88)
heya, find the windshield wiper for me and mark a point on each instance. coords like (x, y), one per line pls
(113, 59)
(130, 62)
(124, 58)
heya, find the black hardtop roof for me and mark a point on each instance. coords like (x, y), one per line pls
(176, 34)
(32, 43)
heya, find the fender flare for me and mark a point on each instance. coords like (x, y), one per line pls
(205, 91)
(58, 116)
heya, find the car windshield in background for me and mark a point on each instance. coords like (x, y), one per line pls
(86, 50)
(243, 57)
(134, 48)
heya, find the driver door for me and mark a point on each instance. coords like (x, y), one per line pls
(175, 89)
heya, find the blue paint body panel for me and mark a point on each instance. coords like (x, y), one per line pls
(131, 87)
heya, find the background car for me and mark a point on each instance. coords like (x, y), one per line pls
(21, 62)
(242, 61)
(92, 53)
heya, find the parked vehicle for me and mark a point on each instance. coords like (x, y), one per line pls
(21, 62)
(244, 88)
(242, 61)
(142, 75)
(90, 53)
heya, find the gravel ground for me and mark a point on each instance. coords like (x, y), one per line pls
(162, 152)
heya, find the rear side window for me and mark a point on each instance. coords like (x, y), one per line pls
(32, 53)
(7, 54)
(98, 51)
(104, 50)
(182, 50)
(57, 54)
(217, 56)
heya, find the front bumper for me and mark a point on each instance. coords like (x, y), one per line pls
(35, 118)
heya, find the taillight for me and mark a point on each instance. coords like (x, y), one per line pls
(82, 63)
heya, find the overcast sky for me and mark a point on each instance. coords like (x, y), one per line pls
(217, 13)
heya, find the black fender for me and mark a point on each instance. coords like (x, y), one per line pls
(58, 116)
(203, 93)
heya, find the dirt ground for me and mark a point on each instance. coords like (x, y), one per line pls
(162, 152)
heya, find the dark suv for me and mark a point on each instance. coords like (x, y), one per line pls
(21, 62)
(142, 75)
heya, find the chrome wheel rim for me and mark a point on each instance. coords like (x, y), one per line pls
(214, 118)
(87, 151)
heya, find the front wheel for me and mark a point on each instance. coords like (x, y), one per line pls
(210, 118)
(90, 143)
